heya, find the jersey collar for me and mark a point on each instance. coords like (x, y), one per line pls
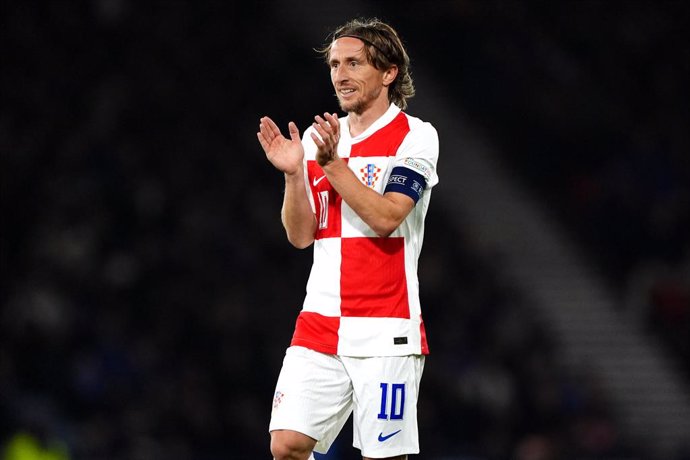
(383, 120)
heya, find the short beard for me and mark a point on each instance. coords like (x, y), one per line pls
(357, 108)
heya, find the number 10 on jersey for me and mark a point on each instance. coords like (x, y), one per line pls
(323, 213)
(392, 408)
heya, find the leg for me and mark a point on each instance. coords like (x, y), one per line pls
(312, 401)
(291, 445)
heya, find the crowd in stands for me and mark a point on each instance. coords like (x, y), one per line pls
(588, 102)
(148, 291)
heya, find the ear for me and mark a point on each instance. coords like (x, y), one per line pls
(389, 75)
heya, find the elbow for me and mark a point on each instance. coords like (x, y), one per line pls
(386, 222)
(300, 242)
(385, 228)
(299, 235)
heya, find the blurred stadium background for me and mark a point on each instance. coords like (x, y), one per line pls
(148, 292)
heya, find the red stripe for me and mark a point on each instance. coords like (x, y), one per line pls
(316, 332)
(385, 141)
(372, 280)
(422, 332)
(333, 222)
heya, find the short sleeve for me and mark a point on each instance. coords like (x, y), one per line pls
(419, 152)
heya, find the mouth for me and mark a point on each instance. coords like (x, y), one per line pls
(346, 92)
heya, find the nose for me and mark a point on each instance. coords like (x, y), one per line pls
(339, 74)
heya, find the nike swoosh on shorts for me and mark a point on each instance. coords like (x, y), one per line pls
(388, 436)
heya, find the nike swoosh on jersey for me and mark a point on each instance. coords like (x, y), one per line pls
(388, 436)
(316, 181)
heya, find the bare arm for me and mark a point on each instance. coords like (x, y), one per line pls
(298, 219)
(383, 213)
(287, 155)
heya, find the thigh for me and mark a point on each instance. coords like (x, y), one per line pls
(385, 409)
(313, 396)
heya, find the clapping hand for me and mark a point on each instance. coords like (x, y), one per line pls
(326, 142)
(285, 154)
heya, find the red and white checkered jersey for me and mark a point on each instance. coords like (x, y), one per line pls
(363, 293)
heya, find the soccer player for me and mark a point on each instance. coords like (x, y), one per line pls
(358, 188)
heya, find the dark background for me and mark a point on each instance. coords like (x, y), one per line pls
(148, 291)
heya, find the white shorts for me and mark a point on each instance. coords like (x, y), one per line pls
(316, 393)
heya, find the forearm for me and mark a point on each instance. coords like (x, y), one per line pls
(382, 213)
(297, 216)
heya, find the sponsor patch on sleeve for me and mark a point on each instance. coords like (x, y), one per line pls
(406, 181)
(418, 167)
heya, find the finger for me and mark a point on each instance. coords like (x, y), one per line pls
(327, 126)
(266, 130)
(271, 126)
(320, 129)
(294, 132)
(321, 121)
(327, 133)
(332, 122)
(319, 143)
(333, 135)
(326, 138)
(324, 128)
(263, 142)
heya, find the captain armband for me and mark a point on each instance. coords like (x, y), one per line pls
(406, 181)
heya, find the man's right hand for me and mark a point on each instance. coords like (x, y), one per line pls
(285, 154)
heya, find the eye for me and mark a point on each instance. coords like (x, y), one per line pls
(354, 63)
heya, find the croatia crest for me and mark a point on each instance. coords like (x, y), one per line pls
(370, 174)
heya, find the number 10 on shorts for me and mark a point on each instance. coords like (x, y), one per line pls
(395, 410)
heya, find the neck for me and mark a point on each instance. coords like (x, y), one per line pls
(359, 122)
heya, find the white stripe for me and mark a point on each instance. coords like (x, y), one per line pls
(366, 336)
(323, 287)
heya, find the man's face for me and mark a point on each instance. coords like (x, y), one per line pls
(358, 84)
